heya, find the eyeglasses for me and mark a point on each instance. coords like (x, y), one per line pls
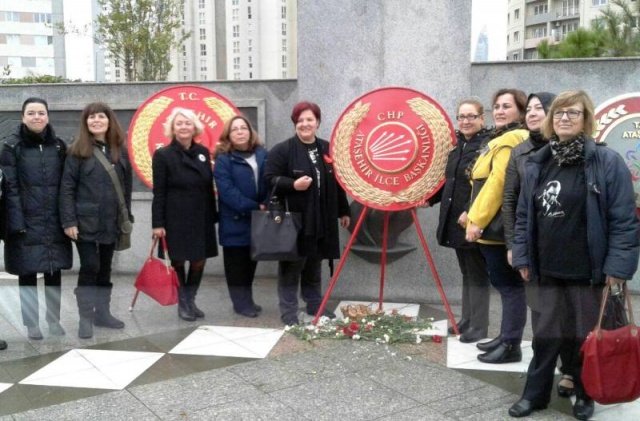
(571, 114)
(470, 117)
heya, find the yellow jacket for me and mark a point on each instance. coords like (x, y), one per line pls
(492, 165)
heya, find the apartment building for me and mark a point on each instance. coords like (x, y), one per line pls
(29, 45)
(531, 21)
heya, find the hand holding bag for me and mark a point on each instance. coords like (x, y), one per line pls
(274, 232)
(611, 359)
(157, 278)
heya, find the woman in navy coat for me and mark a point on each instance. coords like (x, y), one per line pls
(184, 207)
(239, 176)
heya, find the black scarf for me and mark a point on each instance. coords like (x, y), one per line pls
(537, 140)
(568, 153)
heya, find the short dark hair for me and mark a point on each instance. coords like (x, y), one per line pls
(36, 100)
(302, 106)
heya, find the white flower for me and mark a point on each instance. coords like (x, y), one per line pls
(346, 320)
(386, 337)
(310, 327)
(287, 328)
(323, 320)
(407, 358)
(364, 320)
(356, 337)
(418, 339)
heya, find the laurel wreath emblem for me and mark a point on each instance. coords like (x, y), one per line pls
(415, 192)
(609, 117)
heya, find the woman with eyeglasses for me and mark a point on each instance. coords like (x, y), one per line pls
(454, 203)
(487, 179)
(239, 173)
(572, 189)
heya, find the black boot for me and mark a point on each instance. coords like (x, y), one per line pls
(463, 324)
(193, 284)
(85, 296)
(242, 303)
(184, 308)
(3, 345)
(504, 353)
(103, 316)
(491, 345)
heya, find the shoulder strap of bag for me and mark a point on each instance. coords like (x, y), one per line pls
(605, 293)
(114, 179)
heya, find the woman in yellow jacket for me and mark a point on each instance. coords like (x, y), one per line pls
(487, 180)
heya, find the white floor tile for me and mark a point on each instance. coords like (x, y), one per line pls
(465, 356)
(620, 412)
(94, 369)
(438, 327)
(5, 386)
(410, 310)
(5, 276)
(242, 342)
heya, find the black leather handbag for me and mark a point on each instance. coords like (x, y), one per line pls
(274, 232)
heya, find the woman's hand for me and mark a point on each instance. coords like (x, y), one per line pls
(262, 207)
(510, 257)
(474, 233)
(72, 232)
(345, 221)
(302, 183)
(462, 219)
(524, 273)
(611, 281)
(159, 232)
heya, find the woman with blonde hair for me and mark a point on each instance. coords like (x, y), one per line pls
(239, 174)
(184, 208)
(90, 210)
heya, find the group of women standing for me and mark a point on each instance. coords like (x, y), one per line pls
(566, 208)
(56, 195)
(53, 195)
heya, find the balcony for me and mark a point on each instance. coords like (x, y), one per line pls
(538, 19)
(567, 14)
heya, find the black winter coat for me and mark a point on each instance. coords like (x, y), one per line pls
(454, 196)
(32, 165)
(183, 201)
(512, 181)
(613, 229)
(319, 234)
(88, 198)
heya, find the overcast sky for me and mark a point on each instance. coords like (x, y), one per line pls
(491, 14)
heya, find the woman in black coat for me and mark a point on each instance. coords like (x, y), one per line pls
(184, 207)
(90, 211)
(454, 202)
(32, 160)
(301, 170)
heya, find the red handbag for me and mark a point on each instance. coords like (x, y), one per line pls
(611, 360)
(157, 278)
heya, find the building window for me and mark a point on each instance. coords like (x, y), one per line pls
(284, 62)
(201, 4)
(249, 12)
(235, 14)
(539, 32)
(42, 17)
(234, 2)
(236, 63)
(516, 36)
(12, 16)
(13, 39)
(283, 12)
(516, 56)
(118, 73)
(284, 29)
(203, 49)
(201, 18)
(599, 2)
(284, 74)
(14, 62)
(39, 40)
(236, 31)
(184, 66)
(249, 45)
(116, 63)
(284, 45)
(203, 65)
(540, 9)
(250, 61)
(203, 34)
(250, 75)
(516, 14)
(236, 47)
(570, 7)
(184, 50)
(236, 76)
(28, 62)
(203, 77)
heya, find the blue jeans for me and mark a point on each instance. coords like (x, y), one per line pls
(512, 294)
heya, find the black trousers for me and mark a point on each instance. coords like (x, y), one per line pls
(29, 303)
(95, 264)
(476, 288)
(511, 288)
(239, 270)
(307, 273)
(569, 314)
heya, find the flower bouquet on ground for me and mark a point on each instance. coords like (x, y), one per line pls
(363, 323)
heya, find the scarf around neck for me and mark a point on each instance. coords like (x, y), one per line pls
(568, 153)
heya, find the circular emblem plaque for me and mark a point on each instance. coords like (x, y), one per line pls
(619, 126)
(390, 148)
(146, 133)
